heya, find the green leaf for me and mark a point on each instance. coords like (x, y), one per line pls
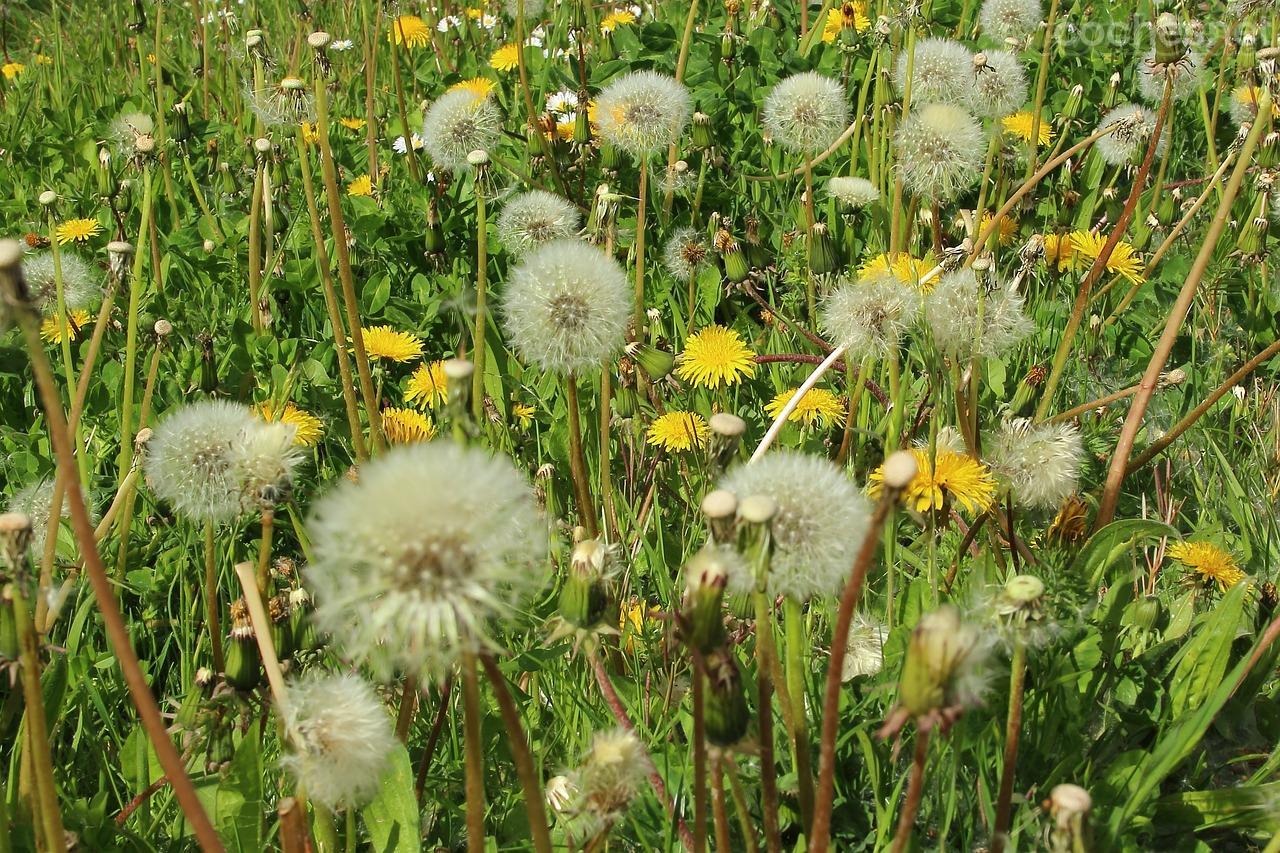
(1106, 546)
(1236, 808)
(392, 817)
(1206, 655)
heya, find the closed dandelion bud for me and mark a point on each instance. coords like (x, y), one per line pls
(1247, 55)
(1021, 600)
(605, 50)
(1026, 390)
(243, 662)
(434, 236)
(281, 625)
(703, 618)
(15, 539)
(221, 748)
(581, 126)
(8, 625)
(1167, 34)
(1069, 806)
(1249, 243)
(301, 628)
(583, 597)
(726, 715)
(1111, 96)
(701, 134)
(726, 438)
(654, 361)
(823, 256)
(610, 155)
(1167, 210)
(1145, 613)
(937, 652)
(180, 130)
(624, 402)
(735, 262)
(457, 376)
(1075, 99)
(720, 508)
(728, 47)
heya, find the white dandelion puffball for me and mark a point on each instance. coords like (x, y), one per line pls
(941, 72)
(853, 192)
(613, 772)
(865, 650)
(567, 306)
(533, 218)
(999, 87)
(341, 739)
(940, 151)
(459, 122)
(1128, 144)
(1010, 19)
(532, 9)
(264, 460)
(951, 313)
(1038, 463)
(643, 111)
(34, 501)
(806, 112)
(869, 316)
(1186, 77)
(411, 562)
(191, 463)
(685, 253)
(80, 287)
(821, 521)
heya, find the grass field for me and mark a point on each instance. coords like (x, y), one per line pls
(692, 425)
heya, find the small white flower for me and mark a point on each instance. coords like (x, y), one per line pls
(564, 101)
(399, 145)
(342, 44)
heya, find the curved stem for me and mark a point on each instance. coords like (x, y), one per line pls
(791, 405)
(519, 743)
(1012, 730)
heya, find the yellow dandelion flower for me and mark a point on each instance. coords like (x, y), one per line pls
(478, 86)
(522, 414)
(678, 431)
(411, 31)
(77, 231)
(428, 385)
(1247, 97)
(1060, 249)
(1008, 228)
(11, 70)
(818, 407)
(564, 131)
(505, 58)
(51, 330)
(361, 186)
(386, 342)
(617, 18)
(352, 123)
(406, 426)
(715, 356)
(902, 265)
(1019, 125)
(1070, 524)
(43, 59)
(849, 16)
(1125, 261)
(957, 477)
(1209, 563)
(307, 427)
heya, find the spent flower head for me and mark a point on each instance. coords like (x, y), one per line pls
(940, 151)
(941, 72)
(963, 327)
(191, 460)
(806, 112)
(869, 316)
(459, 122)
(532, 218)
(1038, 463)
(643, 112)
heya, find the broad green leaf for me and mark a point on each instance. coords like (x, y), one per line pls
(1106, 546)
(1244, 807)
(1207, 653)
(392, 817)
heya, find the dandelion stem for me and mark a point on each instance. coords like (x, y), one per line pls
(433, 738)
(606, 455)
(131, 333)
(473, 751)
(199, 196)
(482, 303)
(796, 641)
(700, 758)
(255, 246)
(577, 461)
(46, 793)
(411, 156)
(211, 608)
(740, 805)
(915, 787)
(1012, 730)
(1042, 87)
(641, 207)
(525, 768)
(764, 691)
(719, 812)
(268, 517)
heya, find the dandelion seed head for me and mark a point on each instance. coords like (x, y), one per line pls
(1186, 77)
(940, 151)
(191, 460)
(853, 192)
(999, 88)
(686, 253)
(821, 520)
(1128, 144)
(806, 112)
(869, 316)
(1038, 463)
(458, 123)
(612, 773)
(941, 72)
(533, 218)
(80, 287)
(264, 459)
(1010, 19)
(865, 652)
(567, 306)
(951, 313)
(341, 739)
(413, 561)
(532, 8)
(642, 112)
(34, 501)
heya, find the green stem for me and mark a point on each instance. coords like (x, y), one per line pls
(797, 641)
(473, 754)
(482, 302)
(1012, 730)
(131, 332)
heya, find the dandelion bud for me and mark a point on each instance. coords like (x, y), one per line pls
(939, 653)
(180, 131)
(1021, 600)
(457, 377)
(720, 508)
(1075, 100)
(319, 40)
(1249, 243)
(736, 268)
(656, 363)
(208, 247)
(583, 596)
(1247, 54)
(281, 625)
(823, 255)
(706, 574)
(701, 135)
(48, 198)
(1167, 34)
(301, 628)
(726, 715)
(1145, 613)
(726, 437)
(15, 538)
(243, 664)
(1070, 805)
(1111, 96)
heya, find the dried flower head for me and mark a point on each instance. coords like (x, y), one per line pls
(340, 739)
(35, 500)
(806, 112)
(411, 562)
(264, 459)
(1010, 19)
(567, 306)
(869, 316)
(853, 192)
(952, 314)
(1038, 463)
(642, 112)
(999, 87)
(532, 218)
(940, 151)
(612, 773)
(80, 281)
(686, 253)
(941, 72)
(1128, 143)
(458, 123)
(191, 459)
(820, 523)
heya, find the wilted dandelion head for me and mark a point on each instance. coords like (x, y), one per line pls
(951, 313)
(1038, 463)
(341, 739)
(821, 520)
(612, 773)
(35, 500)
(940, 151)
(999, 86)
(868, 316)
(941, 72)
(806, 112)
(1128, 143)
(1010, 19)
(853, 192)
(286, 103)
(411, 562)
(567, 306)
(80, 287)
(533, 218)
(1185, 73)
(459, 122)
(128, 129)
(264, 459)
(685, 253)
(191, 459)
(865, 652)
(642, 112)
